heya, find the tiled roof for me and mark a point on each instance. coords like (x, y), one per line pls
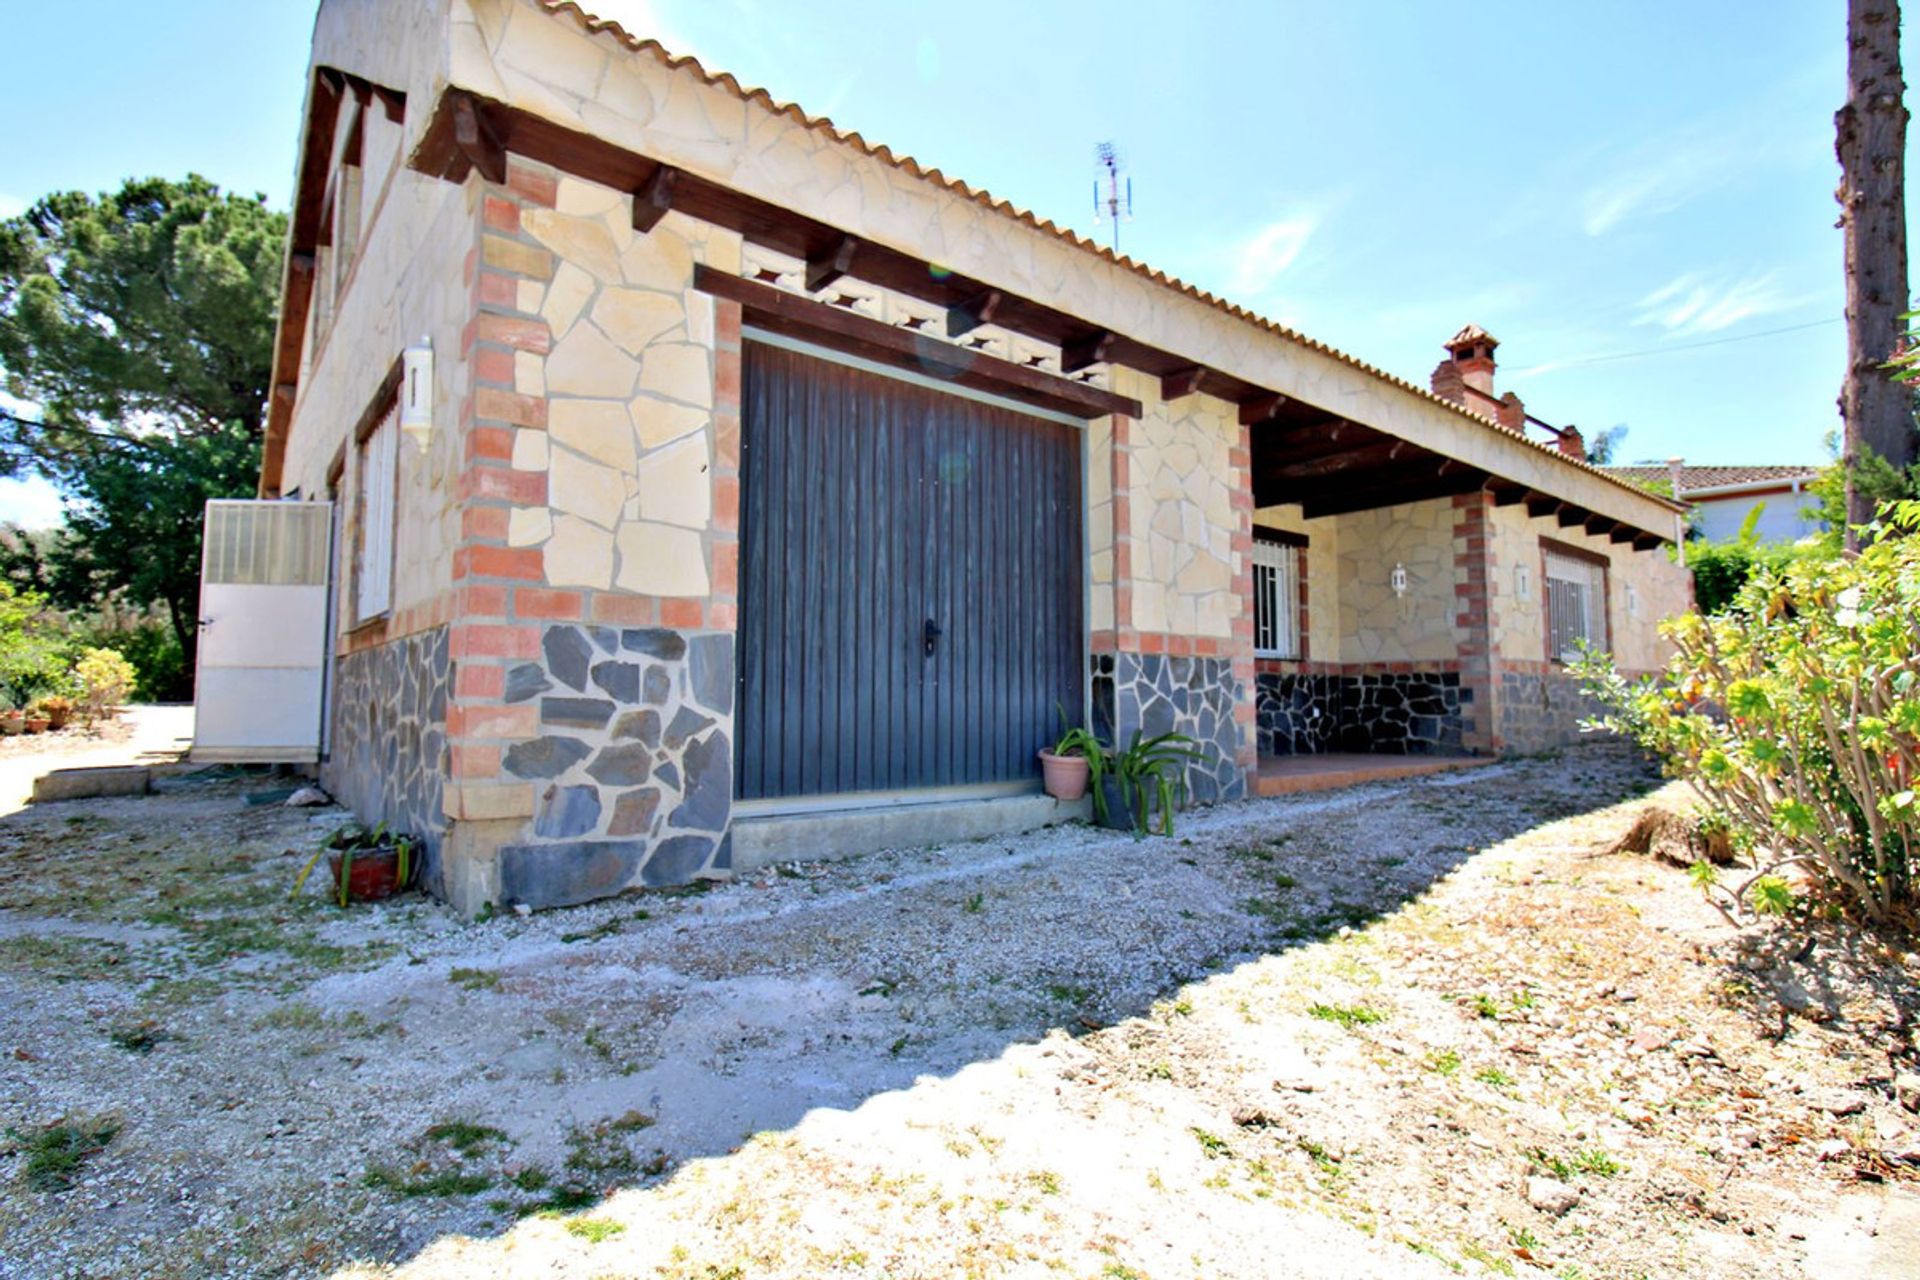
(1696, 478)
(593, 24)
(1472, 333)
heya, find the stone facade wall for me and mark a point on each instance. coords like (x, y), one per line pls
(1375, 624)
(388, 756)
(593, 711)
(1660, 588)
(633, 768)
(1155, 693)
(1311, 710)
(1541, 706)
(1181, 511)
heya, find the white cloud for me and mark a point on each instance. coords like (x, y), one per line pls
(30, 502)
(1660, 174)
(1264, 258)
(1694, 303)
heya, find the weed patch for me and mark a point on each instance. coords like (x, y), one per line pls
(55, 1154)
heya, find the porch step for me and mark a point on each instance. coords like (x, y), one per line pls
(825, 833)
(1290, 775)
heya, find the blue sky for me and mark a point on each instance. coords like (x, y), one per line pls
(1635, 197)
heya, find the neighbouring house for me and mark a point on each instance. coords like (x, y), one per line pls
(768, 493)
(1721, 498)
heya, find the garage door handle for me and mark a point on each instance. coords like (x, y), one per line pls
(931, 636)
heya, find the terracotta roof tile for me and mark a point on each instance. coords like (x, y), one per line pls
(596, 25)
(1695, 478)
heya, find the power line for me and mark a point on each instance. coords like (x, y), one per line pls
(1695, 346)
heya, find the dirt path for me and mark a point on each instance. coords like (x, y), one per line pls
(1326, 1036)
(141, 735)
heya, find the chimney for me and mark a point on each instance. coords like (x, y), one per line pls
(1511, 413)
(1471, 351)
(1572, 443)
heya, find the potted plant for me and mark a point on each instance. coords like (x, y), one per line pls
(58, 711)
(366, 865)
(1076, 761)
(37, 720)
(13, 720)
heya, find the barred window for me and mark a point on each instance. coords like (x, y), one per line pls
(1576, 598)
(1276, 599)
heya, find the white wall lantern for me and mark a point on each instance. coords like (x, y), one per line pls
(1522, 582)
(416, 392)
(1398, 579)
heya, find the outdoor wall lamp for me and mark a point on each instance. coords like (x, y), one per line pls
(416, 392)
(1398, 579)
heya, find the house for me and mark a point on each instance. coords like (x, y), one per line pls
(1721, 498)
(766, 492)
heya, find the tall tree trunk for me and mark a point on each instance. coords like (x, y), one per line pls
(1871, 140)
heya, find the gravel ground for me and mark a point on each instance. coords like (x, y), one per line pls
(1331, 1035)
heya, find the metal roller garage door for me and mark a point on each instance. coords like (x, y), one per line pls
(910, 582)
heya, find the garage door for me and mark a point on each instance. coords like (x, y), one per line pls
(910, 581)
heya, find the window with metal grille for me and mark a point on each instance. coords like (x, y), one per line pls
(373, 572)
(1276, 599)
(1576, 598)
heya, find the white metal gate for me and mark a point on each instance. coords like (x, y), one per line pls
(261, 673)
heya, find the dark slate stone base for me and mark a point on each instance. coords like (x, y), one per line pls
(1541, 709)
(1152, 694)
(1416, 713)
(634, 763)
(387, 755)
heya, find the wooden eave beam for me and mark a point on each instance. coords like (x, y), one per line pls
(1598, 524)
(1364, 458)
(654, 198)
(1506, 493)
(1623, 533)
(1086, 352)
(829, 267)
(1182, 382)
(781, 311)
(1368, 499)
(1540, 505)
(1261, 408)
(1280, 446)
(475, 140)
(1646, 541)
(963, 318)
(1571, 515)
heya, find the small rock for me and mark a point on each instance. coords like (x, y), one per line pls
(1906, 1087)
(522, 909)
(1551, 1196)
(308, 798)
(1647, 1039)
(1839, 1102)
(1832, 1149)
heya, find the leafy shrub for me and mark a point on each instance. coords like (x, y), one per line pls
(159, 665)
(1721, 569)
(33, 652)
(106, 680)
(1796, 715)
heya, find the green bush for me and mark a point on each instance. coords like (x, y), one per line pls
(34, 654)
(159, 665)
(1721, 569)
(1796, 715)
(106, 680)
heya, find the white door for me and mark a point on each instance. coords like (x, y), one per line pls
(263, 632)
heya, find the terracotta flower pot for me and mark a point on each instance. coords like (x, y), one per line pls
(13, 724)
(375, 873)
(37, 724)
(1065, 777)
(57, 718)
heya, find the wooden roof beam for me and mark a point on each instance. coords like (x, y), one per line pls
(829, 267)
(1182, 382)
(1261, 408)
(1390, 495)
(1085, 352)
(479, 146)
(654, 199)
(963, 318)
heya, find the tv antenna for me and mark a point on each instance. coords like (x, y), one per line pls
(1115, 203)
